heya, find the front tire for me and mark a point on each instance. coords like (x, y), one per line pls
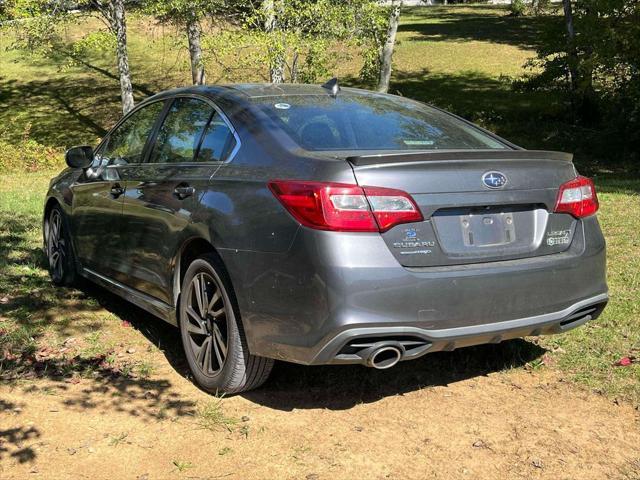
(61, 261)
(212, 336)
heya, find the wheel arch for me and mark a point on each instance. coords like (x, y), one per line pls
(191, 249)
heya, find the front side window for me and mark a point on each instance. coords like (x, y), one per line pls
(180, 133)
(370, 122)
(125, 145)
(218, 141)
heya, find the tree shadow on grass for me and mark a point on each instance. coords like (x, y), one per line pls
(162, 335)
(28, 297)
(472, 23)
(611, 183)
(57, 111)
(536, 120)
(73, 105)
(475, 95)
(31, 305)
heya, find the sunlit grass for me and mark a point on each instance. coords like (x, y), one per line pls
(589, 353)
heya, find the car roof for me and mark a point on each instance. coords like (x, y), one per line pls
(254, 90)
(247, 91)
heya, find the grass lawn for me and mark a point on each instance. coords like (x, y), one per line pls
(461, 58)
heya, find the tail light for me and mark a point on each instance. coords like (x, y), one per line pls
(577, 197)
(344, 207)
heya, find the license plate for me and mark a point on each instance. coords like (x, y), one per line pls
(486, 230)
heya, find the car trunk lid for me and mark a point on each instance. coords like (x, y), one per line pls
(468, 219)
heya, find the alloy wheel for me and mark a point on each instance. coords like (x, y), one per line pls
(56, 245)
(206, 317)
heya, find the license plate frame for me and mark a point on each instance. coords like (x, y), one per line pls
(487, 229)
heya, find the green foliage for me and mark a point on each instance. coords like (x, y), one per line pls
(179, 12)
(303, 35)
(607, 90)
(36, 24)
(28, 155)
(211, 416)
(39, 25)
(517, 8)
(373, 21)
(540, 7)
(98, 41)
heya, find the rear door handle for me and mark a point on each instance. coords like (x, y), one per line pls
(116, 190)
(183, 191)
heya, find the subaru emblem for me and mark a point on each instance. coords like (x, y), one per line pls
(494, 179)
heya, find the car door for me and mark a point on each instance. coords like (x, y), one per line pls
(99, 193)
(162, 194)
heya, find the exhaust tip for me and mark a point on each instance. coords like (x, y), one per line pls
(384, 357)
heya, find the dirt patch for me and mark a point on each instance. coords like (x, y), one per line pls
(319, 423)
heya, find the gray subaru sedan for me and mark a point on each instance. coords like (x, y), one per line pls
(324, 225)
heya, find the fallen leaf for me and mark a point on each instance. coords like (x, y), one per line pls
(624, 362)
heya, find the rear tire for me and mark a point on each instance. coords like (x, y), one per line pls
(212, 335)
(58, 248)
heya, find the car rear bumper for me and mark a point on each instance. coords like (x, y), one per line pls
(340, 350)
(309, 305)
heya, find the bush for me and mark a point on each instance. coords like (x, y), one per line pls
(28, 156)
(604, 97)
(517, 8)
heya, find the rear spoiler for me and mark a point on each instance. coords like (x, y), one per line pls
(457, 155)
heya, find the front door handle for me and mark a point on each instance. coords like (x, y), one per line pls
(183, 191)
(116, 190)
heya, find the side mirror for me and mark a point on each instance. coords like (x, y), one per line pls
(79, 157)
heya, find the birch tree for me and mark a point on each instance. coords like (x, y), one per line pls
(40, 23)
(188, 15)
(114, 13)
(386, 53)
(293, 40)
(572, 52)
(272, 12)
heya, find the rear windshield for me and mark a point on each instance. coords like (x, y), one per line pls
(370, 122)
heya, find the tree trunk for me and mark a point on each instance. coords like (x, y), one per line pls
(119, 26)
(387, 50)
(195, 51)
(293, 72)
(276, 50)
(572, 52)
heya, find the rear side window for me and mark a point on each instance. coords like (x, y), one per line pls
(126, 143)
(179, 135)
(218, 141)
(370, 122)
